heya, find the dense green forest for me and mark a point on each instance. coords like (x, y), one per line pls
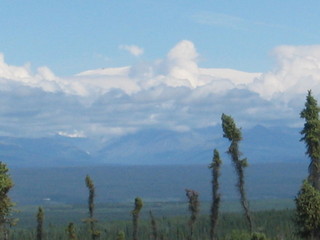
(276, 224)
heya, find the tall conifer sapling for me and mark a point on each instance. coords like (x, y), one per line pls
(154, 227)
(71, 231)
(90, 185)
(311, 137)
(233, 134)
(40, 220)
(215, 166)
(193, 208)
(138, 204)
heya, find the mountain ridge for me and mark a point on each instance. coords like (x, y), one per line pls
(152, 147)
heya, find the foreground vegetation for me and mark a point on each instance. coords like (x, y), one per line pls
(276, 224)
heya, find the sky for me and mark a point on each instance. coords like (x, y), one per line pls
(109, 68)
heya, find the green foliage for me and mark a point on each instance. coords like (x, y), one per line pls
(91, 221)
(71, 231)
(234, 135)
(5, 202)
(308, 211)
(275, 224)
(243, 235)
(138, 204)
(121, 236)
(91, 188)
(193, 205)
(40, 220)
(216, 161)
(311, 137)
(216, 198)
(230, 129)
(238, 235)
(258, 236)
(154, 227)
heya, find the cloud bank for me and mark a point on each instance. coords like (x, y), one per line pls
(169, 93)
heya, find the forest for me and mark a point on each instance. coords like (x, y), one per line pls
(300, 222)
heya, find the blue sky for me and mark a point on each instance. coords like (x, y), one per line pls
(108, 68)
(74, 36)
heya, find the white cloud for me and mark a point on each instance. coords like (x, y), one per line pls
(97, 82)
(297, 70)
(43, 79)
(181, 63)
(74, 134)
(132, 49)
(171, 93)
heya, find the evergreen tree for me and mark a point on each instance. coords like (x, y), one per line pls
(40, 220)
(193, 208)
(233, 134)
(154, 226)
(71, 232)
(215, 166)
(311, 137)
(138, 204)
(90, 185)
(6, 204)
(307, 201)
(308, 212)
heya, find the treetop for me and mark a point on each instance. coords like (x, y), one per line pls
(230, 129)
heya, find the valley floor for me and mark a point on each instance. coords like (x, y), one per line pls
(272, 217)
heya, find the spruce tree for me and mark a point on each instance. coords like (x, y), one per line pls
(215, 166)
(138, 204)
(40, 220)
(6, 204)
(308, 199)
(311, 137)
(154, 227)
(71, 231)
(307, 216)
(90, 185)
(234, 135)
(193, 208)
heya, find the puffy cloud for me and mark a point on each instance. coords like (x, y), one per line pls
(43, 78)
(297, 70)
(171, 93)
(132, 49)
(182, 68)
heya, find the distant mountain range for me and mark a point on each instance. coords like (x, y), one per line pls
(152, 147)
(155, 164)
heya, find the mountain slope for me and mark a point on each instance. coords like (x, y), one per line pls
(152, 146)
